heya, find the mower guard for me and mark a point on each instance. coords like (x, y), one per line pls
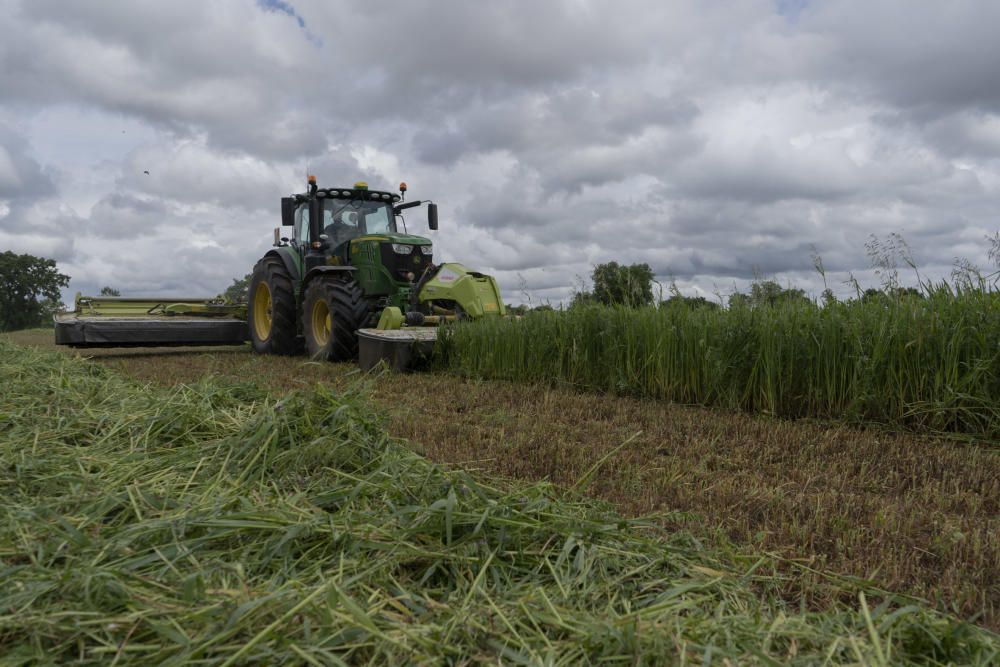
(131, 322)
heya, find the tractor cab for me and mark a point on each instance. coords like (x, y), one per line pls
(344, 221)
(357, 227)
(344, 216)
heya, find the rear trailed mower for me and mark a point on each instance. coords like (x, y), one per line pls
(346, 284)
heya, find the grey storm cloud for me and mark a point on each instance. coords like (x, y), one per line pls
(928, 61)
(21, 177)
(715, 141)
(125, 216)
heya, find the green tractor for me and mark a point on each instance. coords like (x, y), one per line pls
(348, 267)
(345, 274)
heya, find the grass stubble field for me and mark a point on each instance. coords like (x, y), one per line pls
(916, 516)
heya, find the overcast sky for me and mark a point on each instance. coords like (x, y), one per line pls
(713, 140)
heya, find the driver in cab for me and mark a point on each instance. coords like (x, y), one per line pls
(344, 227)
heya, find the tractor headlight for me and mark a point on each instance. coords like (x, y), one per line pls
(427, 249)
(402, 248)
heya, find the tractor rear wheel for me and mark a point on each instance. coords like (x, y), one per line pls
(333, 309)
(271, 308)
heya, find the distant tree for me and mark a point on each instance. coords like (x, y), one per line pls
(29, 290)
(238, 291)
(616, 284)
(690, 301)
(677, 298)
(906, 293)
(542, 308)
(110, 291)
(765, 293)
(872, 295)
(770, 293)
(47, 309)
(520, 309)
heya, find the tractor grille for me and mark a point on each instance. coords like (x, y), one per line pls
(399, 265)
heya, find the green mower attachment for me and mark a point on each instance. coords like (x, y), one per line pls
(129, 322)
(406, 341)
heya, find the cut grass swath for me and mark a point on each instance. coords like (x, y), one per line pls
(209, 525)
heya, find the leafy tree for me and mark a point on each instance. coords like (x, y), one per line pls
(582, 298)
(109, 291)
(48, 308)
(520, 309)
(872, 295)
(907, 293)
(616, 284)
(238, 291)
(768, 293)
(29, 290)
(690, 301)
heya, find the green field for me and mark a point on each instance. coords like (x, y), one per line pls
(773, 528)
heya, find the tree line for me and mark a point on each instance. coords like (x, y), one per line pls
(30, 287)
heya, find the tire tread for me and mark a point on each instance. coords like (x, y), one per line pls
(283, 316)
(348, 311)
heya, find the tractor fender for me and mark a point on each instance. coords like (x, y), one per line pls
(288, 261)
(326, 270)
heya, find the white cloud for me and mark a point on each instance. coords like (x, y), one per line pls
(711, 140)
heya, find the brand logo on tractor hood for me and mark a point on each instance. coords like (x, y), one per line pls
(446, 275)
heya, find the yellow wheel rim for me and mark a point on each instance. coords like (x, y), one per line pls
(262, 311)
(321, 323)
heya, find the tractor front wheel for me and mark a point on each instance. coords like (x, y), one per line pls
(333, 310)
(271, 308)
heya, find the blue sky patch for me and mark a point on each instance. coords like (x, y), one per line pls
(790, 9)
(283, 7)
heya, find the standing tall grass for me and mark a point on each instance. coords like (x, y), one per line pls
(925, 363)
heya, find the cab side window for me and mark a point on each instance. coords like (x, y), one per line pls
(302, 225)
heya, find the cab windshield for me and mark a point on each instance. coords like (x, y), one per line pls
(345, 220)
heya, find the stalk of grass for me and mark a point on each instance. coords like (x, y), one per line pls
(207, 524)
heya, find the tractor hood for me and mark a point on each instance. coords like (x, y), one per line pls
(392, 237)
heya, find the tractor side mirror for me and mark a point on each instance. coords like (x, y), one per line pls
(432, 216)
(288, 211)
